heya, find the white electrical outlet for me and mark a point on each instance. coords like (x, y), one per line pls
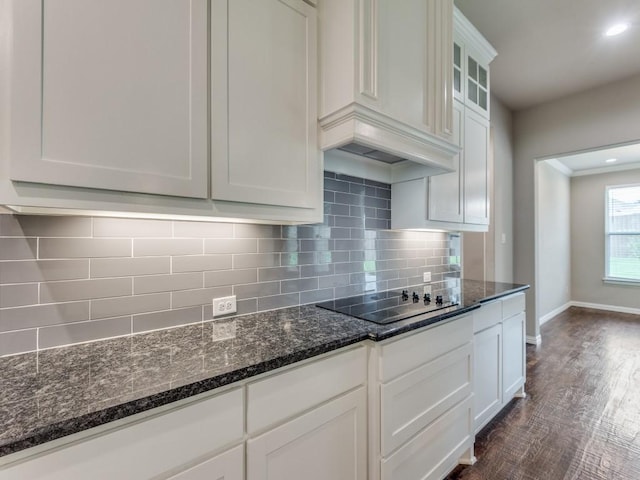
(426, 289)
(224, 306)
(426, 277)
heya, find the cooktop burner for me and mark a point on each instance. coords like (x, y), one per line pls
(390, 306)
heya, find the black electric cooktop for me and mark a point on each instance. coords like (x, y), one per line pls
(390, 306)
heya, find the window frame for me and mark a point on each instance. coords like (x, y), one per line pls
(607, 239)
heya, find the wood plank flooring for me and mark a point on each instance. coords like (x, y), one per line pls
(581, 417)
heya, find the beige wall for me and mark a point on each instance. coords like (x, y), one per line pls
(502, 206)
(554, 239)
(587, 234)
(603, 116)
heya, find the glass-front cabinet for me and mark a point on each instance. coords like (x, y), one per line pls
(471, 58)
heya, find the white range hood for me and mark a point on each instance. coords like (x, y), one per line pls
(386, 86)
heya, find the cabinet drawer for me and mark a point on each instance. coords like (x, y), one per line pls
(488, 315)
(146, 449)
(285, 395)
(403, 355)
(436, 450)
(416, 399)
(513, 305)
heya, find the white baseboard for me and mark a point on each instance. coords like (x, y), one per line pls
(537, 340)
(557, 311)
(610, 308)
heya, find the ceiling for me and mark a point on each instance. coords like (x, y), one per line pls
(588, 163)
(548, 49)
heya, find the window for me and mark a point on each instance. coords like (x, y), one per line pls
(622, 233)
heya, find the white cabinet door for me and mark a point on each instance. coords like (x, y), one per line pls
(445, 191)
(414, 62)
(414, 400)
(514, 355)
(476, 168)
(228, 465)
(110, 94)
(487, 378)
(328, 442)
(436, 450)
(263, 103)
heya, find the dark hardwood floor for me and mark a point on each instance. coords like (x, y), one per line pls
(581, 417)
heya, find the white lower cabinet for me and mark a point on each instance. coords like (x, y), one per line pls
(435, 451)
(150, 447)
(499, 354)
(310, 421)
(329, 442)
(513, 354)
(228, 465)
(423, 400)
(487, 369)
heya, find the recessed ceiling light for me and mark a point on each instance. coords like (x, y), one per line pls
(616, 29)
(611, 160)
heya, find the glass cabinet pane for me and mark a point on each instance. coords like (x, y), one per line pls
(473, 69)
(482, 77)
(457, 56)
(473, 91)
(457, 81)
(482, 98)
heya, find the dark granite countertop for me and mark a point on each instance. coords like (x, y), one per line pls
(61, 391)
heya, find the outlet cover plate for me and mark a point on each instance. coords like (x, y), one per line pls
(224, 306)
(426, 277)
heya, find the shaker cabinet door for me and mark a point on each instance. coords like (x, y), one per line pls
(476, 168)
(264, 111)
(446, 190)
(514, 353)
(111, 94)
(487, 371)
(328, 442)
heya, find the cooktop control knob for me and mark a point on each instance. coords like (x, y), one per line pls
(405, 295)
(427, 298)
(439, 300)
(415, 297)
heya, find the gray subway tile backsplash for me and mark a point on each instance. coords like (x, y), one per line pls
(118, 306)
(18, 295)
(126, 227)
(18, 342)
(84, 247)
(83, 331)
(18, 248)
(200, 263)
(54, 292)
(74, 279)
(33, 316)
(129, 267)
(44, 226)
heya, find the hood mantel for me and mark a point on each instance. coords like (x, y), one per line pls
(358, 129)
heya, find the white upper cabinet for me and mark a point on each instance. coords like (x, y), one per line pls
(476, 169)
(203, 108)
(472, 55)
(458, 200)
(111, 95)
(446, 200)
(386, 79)
(264, 107)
